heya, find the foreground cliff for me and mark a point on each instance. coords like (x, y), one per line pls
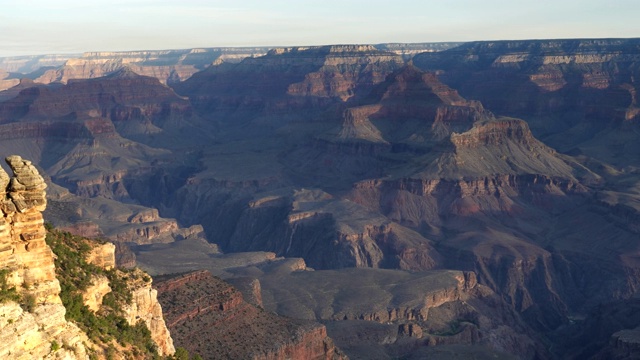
(71, 304)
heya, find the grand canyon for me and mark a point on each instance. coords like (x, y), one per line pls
(475, 200)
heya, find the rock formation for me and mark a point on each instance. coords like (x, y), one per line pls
(6, 81)
(290, 79)
(145, 307)
(209, 317)
(168, 66)
(28, 263)
(367, 310)
(33, 323)
(22, 232)
(570, 91)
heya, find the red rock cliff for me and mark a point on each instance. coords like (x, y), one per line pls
(209, 317)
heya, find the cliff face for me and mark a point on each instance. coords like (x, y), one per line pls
(22, 232)
(209, 317)
(145, 307)
(37, 327)
(28, 64)
(30, 270)
(106, 123)
(284, 80)
(568, 90)
(168, 66)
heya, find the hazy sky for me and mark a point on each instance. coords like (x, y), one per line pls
(64, 26)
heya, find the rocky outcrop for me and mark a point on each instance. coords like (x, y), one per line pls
(103, 255)
(42, 333)
(37, 328)
(209, 317)
(6, 81)
(22, 233)
(145, 307)
(93, 295)
(28, 263)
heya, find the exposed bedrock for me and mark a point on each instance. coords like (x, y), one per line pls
(511, 264)
(29, 331)
(413, 309)
(168, 66)
(290, 79)
(570, 91)
(210, 317)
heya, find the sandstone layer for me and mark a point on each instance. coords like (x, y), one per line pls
(37, 327)
(30, 270)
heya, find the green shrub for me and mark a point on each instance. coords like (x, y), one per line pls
(74, 274)
(7, 293)
(28, 302)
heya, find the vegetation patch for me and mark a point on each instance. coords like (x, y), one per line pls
(7, 293)
(108, 324)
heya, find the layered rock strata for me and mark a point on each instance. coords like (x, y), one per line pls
(571, 91)
(168, 66)
(30, 270)
(209, 317)
(37, 328)
(22, 232)
(146, 307)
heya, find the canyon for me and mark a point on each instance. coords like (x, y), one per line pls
(395, 201)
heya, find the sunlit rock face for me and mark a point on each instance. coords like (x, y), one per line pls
(39, 328)
(22, 232)
(29, 262)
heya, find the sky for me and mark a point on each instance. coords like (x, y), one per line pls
(30, 27)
